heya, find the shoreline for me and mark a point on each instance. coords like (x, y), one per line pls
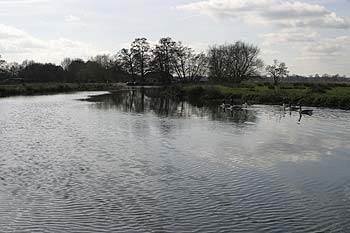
(336, 96)
(312, 95)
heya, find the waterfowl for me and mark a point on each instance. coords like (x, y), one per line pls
(293, 108)
(308, 112)
(234, 107)
(225, 106)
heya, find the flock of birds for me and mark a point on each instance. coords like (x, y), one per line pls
(285, 107)
(308, 112)
(232, 107)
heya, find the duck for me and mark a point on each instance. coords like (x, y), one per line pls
(293, 108)
(225, 106)
(308, 112)
(234, 107)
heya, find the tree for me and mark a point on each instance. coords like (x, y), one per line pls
(188, 65)
(37, 72)
(26, 63)
(66, 62)
(105, 61)
(2, 62)
(3, 70)
(14, 68)
(277, 71)
(163, 55)
(74, 71)
(234, 62)
(140, 50)
(2, 65)
(127, 60)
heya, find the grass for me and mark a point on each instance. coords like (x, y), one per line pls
(48, 88)
(318, 95)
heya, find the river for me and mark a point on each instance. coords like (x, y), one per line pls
(133, 161)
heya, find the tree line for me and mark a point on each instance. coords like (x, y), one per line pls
(231, 62)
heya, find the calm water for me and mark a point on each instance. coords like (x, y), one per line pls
(134, 162)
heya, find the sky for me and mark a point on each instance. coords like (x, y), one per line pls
(309, 36)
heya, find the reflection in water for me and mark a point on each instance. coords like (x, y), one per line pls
(134, 161)
(152, 100)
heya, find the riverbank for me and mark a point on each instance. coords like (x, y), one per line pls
(331, 95)
(308, 94)
(52, 88)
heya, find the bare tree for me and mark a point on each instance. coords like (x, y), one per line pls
(218, 63)
(104, 61)
(2, 63)
(66, 62)
(14, 68)
(188, 65)
(277, 71)
(140, 49)
(26, 63)
(127, 60)
(234, 62)
(163, 55)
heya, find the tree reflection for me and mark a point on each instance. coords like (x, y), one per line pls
(153, 100)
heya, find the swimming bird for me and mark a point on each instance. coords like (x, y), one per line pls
(234, 107)
(225, 106)
(308, 112)
(302, 112)
(293, 108)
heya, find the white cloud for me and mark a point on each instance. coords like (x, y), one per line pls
(275, 12)
(72, 18)
(12, 2)
(308, 42)
(16, 45)
(308, 51)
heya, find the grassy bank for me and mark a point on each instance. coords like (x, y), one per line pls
(50, 88)
(309, 94)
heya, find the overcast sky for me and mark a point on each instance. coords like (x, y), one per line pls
(310, 36)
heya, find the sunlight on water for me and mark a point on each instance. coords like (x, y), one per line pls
(132, 161)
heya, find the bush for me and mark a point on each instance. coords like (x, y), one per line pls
(196, 92)
(319, 88)
(213, 94)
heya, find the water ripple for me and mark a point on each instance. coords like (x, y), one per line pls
(72, 166)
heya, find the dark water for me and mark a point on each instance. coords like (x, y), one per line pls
(135, 162)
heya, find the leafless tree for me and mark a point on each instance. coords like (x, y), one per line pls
(163, 55)
(14, 68)
(2, 63)
(140, 49)
(127, 61)
(66, 62)
(188, 65)
(277, 71)
(104, 61)
(234, 62)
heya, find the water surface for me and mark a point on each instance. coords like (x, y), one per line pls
(133, 161)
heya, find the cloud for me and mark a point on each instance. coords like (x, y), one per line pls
(12, 2)
(72, 18)
(271, 12)
(308, 51)
(308, 42)
(16, 45)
